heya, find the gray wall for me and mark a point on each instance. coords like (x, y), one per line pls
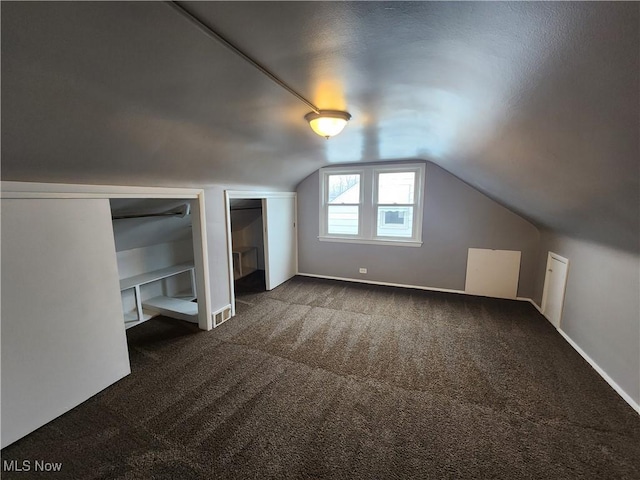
(456, 217)
(601, 311)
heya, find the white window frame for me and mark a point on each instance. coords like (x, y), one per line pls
(324, 202)
(368, 211)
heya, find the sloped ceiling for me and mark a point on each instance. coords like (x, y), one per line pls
(535, 104)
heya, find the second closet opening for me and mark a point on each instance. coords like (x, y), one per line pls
(247, 241)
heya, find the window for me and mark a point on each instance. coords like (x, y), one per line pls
(343, 204)
(373, 204)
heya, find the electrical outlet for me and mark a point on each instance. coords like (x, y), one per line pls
(363, 270)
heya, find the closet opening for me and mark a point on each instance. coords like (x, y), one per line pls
(261, 243)
(154, 244)
(247, 249)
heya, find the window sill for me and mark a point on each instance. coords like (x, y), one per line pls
(368, 241)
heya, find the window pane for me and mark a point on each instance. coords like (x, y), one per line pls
(395, 222)
(396, 187)
(343, 220)
(344, 188)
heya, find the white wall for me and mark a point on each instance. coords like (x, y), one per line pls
(602, 305)
(63, 337)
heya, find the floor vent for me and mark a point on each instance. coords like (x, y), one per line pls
(221, 316)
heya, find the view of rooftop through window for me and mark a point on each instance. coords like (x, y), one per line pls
(396, 187)
(395, 194)
(344, 188)
(395, 204)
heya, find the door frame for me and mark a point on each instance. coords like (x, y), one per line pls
(545, 291)
(198, 221)
(257, 195)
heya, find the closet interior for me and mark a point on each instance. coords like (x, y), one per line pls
(154, 250)
(247, 239)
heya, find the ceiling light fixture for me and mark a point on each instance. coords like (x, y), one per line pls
(326, 123)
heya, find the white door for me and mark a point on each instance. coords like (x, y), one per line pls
(63, 337)
(280, 239)
(554, 287)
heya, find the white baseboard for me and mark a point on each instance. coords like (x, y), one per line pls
(625, 396)
(416, 287)
(536, 306)
(386, 284)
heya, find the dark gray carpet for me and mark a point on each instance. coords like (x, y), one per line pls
(323, 379)
(253, 283)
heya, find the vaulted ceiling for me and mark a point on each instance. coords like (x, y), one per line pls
(535, 104)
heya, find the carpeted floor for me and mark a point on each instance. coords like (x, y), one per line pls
(324, 379)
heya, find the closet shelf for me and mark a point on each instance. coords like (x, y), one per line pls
(149, 277)
(180, 308)
(173, 307)
(245, 261)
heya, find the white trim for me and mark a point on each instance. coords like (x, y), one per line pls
(201, 260)
(537, 307)
(368, 206)
(265, 244)
(295, 207)
(415, 287)
(257, 194)
(76, 195)
(228, 195)
(68, 190)
(418, 197)
(625, 396)
(227, 211)
(559, 258)
(324, 205)
(545, 288)
(362, 241)
(386, 284)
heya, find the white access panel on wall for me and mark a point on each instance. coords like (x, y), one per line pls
(63, 338)
(493, 273)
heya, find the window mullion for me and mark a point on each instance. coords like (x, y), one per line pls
(368, 209)
(370, 221)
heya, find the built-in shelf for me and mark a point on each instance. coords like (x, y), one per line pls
(181, 308)
(131, 318)
(245, 261)
(173, 307)
(149, 277)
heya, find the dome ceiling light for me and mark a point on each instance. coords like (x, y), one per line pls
(326, 123)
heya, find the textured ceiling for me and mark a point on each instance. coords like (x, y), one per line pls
(535, 104)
